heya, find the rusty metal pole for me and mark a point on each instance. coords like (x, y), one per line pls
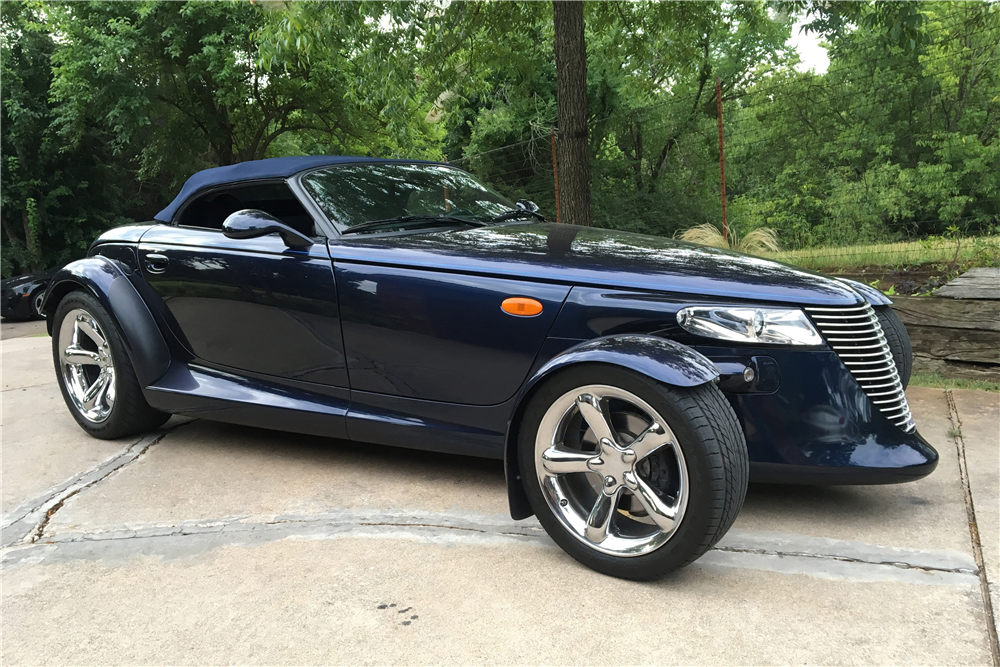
(722, 160)
(555, 171)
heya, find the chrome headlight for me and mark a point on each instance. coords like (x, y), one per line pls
(770, 326)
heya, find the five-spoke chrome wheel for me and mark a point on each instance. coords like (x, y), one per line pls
(36, 304)
(611, 470)
(86, 364)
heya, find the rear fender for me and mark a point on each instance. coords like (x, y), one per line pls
(660, 359)
(103, 279)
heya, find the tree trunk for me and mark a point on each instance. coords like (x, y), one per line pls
(29, 243)
(571, 90)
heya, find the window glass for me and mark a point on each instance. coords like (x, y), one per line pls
(353, 194)
(210, 210)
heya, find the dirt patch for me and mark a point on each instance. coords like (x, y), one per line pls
(906, 280)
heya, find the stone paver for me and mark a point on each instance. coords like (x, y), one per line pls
(295, 602)
(42, 444)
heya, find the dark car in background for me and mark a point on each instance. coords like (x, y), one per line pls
(632, 385)
(21, 296)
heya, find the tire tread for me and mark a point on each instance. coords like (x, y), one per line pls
(899, 341)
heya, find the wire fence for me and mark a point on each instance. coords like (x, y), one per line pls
(657, 168)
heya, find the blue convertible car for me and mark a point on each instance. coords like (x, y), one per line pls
(632, 384)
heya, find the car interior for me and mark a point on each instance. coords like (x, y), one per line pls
(210, 210)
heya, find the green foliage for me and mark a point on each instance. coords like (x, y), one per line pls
(936, 381)
(651, 98)
(53, 198)
(108, 107)
(954, 255)
(891, 142)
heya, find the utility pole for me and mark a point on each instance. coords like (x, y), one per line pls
(722, 160)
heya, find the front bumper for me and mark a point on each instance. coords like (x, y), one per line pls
(819, 427)
(15, 305)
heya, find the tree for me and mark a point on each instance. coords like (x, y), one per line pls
(170, 75)
(648, 66)
(54, 199)
(571, 79)
(890, 142)
(108, 106)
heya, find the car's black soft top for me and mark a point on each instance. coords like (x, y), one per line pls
(277, 167)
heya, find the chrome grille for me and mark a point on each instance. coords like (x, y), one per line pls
(856, 336)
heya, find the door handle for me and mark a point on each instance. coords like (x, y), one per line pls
(156, 263)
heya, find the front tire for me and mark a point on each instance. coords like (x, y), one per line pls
(899, 342)
(631, 477)
(95, 374)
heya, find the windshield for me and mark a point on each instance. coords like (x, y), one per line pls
(355, 194)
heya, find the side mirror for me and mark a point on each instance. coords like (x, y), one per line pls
(251, 223)
(527, 205)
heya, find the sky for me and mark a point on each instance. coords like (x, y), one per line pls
(813, 55)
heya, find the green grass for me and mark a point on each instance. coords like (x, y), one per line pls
(891, 254)
(938, 382)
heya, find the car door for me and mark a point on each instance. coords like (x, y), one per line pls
(438, 336)
(249, 304)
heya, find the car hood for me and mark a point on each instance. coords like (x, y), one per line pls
(598, 257)
(18, 281)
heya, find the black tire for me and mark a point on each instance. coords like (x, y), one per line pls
(899, 342)
(130, 414)
(714, 449)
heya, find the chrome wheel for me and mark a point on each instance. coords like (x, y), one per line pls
(88, 370)
(36, 303)
(611, 470)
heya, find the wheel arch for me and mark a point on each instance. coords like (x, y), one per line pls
(657, 358)
(106, 282)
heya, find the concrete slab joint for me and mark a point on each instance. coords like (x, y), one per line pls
(977, 547)
(27, 522)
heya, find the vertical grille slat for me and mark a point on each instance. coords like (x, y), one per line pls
(850, 332)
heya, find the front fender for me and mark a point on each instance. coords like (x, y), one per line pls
(872, 295)
(660, 359)
(103, 279)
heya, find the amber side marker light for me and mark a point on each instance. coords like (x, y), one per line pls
(521, 306)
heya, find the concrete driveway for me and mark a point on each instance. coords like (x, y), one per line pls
(213, 544)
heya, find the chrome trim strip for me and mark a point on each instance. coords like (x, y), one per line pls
(869, 363)
(860, 330)
(813, 309)
(883, 393)
(877, 346)
(859, 316)
(851, 340)
(868, 384)
(862, 355)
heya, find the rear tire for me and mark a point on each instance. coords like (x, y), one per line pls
(95, 373)
(899, 342)
(642, 502)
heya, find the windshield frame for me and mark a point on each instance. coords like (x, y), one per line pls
(317, 210)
